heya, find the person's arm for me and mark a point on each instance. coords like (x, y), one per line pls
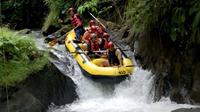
(85, 35)
(119, 56)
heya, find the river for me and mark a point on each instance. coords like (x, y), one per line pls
(135, 94)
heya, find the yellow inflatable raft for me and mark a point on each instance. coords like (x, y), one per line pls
(93, 67)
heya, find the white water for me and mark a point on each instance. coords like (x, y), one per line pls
(132, 95)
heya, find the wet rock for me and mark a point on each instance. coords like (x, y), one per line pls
(24, 31)
(187, 110)
(38, 91)
(195, 94)
(177, 70)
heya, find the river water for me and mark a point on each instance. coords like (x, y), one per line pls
(132, 95)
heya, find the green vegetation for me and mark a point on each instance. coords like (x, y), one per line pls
(55, 9)
(169, 35)
(57, 6)
(19, 14)
(88, 5)
(178, 20)
(19, 57)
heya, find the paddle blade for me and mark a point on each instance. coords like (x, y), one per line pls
(52, 43)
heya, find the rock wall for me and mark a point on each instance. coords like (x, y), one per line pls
(177, 71)
(37, 92)
(187, 110)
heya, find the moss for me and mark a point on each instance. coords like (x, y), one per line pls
(19, 57)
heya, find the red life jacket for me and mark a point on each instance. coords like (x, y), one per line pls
(100, 30)
(87, 38)
(93, 29)
(94, 47)
(90, 31)
(106, 44)
(76, 20)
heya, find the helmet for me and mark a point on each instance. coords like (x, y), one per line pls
(70, 9)
(106, 35)
(110, 44)
(92, 22)
(93, 29)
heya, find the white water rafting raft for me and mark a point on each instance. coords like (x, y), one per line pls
(94, 67)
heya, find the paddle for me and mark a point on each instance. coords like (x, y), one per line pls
(97, 20)
(102, 51)
(107, 30)
(53, 42)
(130, 65)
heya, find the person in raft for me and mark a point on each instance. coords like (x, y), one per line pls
(114, 55)
(93, 45)
(75, 20)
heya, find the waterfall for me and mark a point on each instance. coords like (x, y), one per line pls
(134, 94)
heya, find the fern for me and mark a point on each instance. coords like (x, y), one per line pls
(89, 5)
(177, 20)
(19, 57)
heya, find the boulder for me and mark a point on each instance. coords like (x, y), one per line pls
(38, 91)
(187, 110)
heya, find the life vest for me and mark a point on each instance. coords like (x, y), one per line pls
(87, 38)
(112, 57)
(93, 46)
(106, 44)
(76, 20)
(93, 29)
(89, 32)
(100, 30)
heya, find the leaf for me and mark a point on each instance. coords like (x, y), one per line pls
(196, 21)
(173, 35)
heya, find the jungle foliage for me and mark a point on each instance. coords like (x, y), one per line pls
(19, 14)
(175, 19)
(57, 8)
(169, 35)
(19, 57)
(88, 5)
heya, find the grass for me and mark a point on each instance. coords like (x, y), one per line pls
(19, 57)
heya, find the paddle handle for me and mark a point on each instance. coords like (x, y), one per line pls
(97, 20)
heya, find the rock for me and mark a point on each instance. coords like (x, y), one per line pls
(195, 94)
(22, 101)
(24, 31)
(187, 110)
(38, 91)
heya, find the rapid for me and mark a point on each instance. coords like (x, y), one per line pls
(135, 94)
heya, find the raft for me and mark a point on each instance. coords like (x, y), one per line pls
(92, 66)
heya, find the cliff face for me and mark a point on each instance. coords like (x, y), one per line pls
(176, 69)
(175, 66)
(167, 38)
(38, 91)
